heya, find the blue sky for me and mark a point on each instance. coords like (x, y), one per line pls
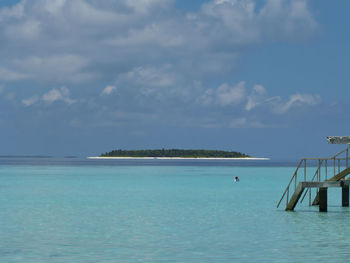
(268, 78)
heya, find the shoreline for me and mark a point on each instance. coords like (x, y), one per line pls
(177, 158)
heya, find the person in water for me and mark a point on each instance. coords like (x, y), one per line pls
(236, 179)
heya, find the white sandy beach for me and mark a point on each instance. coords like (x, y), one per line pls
(178, 158)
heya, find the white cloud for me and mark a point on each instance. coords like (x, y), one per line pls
(10, 75)
(61, 94)
(158, 83)
(84, 12)
(224, 95)
(27, 30)
(84, 37)
(259, 99)
(243, 23)
(255, 98)
(52, 96)
(62, 68)
(296, 100)
(30, 101)
(108, 90)
(154, 34)
(54, 7)
(145, 6)
(287, 18)
(156, 55)
(15, 12)
(146, 76)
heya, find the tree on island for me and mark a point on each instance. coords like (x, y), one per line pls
(175, 153)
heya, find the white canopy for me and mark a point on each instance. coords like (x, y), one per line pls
(338, 139)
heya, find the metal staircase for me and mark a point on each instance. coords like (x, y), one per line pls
(319, 173)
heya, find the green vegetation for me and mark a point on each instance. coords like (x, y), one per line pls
(174, 153)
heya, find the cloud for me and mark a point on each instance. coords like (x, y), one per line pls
(296, 100)
(243, 23)
(259, 99)
(76, 41)
(153, 83)
(224, 95)
(30, 101)
(63, 68)
(154, 34)
(145, 6)
(255, 98)
(287, 19)
(61, 94)
(164, 61)
(14, 12)
(9, 75)
(27, 30)
(237, 97)
(108, 90)
(148, 76)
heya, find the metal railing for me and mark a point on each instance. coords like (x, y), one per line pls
(335, 163)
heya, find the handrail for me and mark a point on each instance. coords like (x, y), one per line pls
(318, 171)
(323, 159)
(339, 153)
(291, 180)
(312, 179)
(331, 158)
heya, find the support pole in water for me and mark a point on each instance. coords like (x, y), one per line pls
(345, 196)
(323, 199)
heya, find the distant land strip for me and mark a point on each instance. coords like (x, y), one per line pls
(25, 156)
(174, 153)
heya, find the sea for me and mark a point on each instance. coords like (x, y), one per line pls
(79, 211)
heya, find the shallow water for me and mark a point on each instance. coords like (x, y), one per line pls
(162, 213)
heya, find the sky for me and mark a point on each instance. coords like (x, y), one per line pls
(268, 78)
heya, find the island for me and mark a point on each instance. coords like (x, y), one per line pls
(173, 153)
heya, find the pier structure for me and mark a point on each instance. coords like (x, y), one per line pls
(317, 175)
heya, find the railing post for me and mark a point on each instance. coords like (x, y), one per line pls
(309, 196)
(345, 196)
(323, 199)
(319, 169)
(318, 174)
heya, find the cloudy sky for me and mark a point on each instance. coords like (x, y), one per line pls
(265, 77)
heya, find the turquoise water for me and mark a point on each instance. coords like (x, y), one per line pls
(152, 213)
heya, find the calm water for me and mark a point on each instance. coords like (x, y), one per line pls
(76, 211)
